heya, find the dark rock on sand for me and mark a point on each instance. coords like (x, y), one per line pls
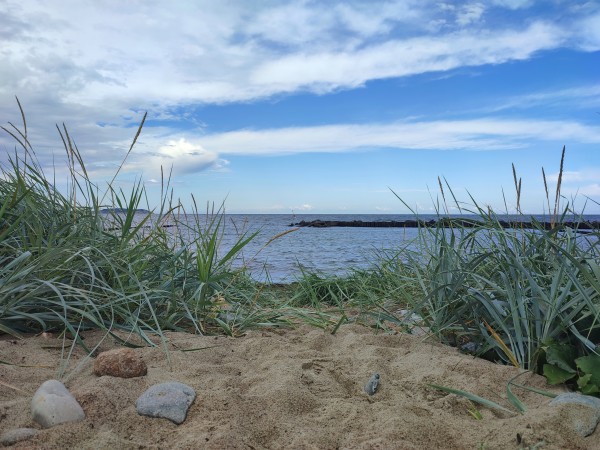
(169, 400)
(373, 383)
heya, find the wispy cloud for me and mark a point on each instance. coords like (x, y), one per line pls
(326, 70)
(514, 4)
(584, 182)
(470, 13)
(302, 208)
(574, 97)
(194, 152)
(586, 174)
(590, 190)
(477, 134)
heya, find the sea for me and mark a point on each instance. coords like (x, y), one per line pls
(281, 252)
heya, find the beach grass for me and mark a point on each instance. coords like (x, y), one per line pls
(102, 258)
(510, 293)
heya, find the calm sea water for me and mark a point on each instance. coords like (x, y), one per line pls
(326, 250)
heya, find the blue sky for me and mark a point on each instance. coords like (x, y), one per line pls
(313, 106)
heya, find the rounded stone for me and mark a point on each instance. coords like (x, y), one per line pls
(53, 404)
(169, 400)
(17, 435)
(583, 420)
(120, 362)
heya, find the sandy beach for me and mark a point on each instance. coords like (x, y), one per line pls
(299, 388)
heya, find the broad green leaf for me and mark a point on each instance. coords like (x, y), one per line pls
(590, 365)
(586, 385)
(556, 375)
(590, 389)
(583, 381)
(561, 355)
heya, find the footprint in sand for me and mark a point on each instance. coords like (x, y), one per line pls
(323, 379)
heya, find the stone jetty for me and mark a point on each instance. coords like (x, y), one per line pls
(447, 222)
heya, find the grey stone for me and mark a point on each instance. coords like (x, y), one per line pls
(169, 400)
(371, 386)
(53, 404)
(470, 347)
(584, 420)
(17, 435)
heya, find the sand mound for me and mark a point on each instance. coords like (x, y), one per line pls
(295, 389)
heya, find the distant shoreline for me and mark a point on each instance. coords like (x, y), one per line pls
(122, 211)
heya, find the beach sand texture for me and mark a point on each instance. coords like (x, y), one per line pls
(275, 389)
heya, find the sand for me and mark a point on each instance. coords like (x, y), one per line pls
(300, 388)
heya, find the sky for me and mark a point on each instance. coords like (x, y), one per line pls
(315, 107)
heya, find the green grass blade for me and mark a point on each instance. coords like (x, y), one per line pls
(472, 397)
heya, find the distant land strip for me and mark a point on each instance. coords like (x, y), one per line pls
(446, 222)
(122, 211)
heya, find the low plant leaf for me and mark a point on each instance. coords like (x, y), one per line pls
(587, 385)
(561, 355)
(556, 375)
(590, 365)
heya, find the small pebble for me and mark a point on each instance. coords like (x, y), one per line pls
(371, 386)
(53, 404)
(169, 400)
(17, 435)
(120, 362)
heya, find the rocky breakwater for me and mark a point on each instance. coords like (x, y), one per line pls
(448, 222)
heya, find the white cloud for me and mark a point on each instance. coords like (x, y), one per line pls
(478, 134)
(181, 155)
(303, 207)
(470, 13)
(514, 4)
(581, 96)
(326, 71)
(576, 183)
(570, 176)
(589, 33)
(590, 190)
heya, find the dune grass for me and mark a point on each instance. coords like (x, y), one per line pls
(93, 258)
(510, 292)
